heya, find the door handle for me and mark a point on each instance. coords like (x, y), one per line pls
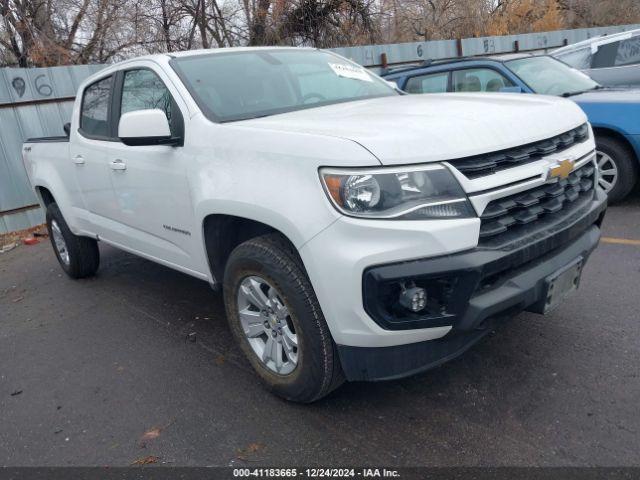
(78, 160)
(117, 164)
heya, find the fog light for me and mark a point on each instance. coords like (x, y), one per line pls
(413, 298)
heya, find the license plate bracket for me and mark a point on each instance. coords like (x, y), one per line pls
(561, 284)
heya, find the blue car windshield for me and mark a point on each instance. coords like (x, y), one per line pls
(257, 83)
(548, 76)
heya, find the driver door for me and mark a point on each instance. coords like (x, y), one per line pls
(154, 209)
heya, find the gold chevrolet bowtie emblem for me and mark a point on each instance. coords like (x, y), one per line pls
(562, 170)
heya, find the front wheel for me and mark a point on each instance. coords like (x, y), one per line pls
(617, 167)
(274, 315)
(78, 256)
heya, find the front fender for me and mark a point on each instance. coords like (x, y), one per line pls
(621, 118)
(295, 228)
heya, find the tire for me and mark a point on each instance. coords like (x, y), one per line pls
(272, 259)
(79, 256)
(611, 150)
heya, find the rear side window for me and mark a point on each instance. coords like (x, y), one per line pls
(433, 83)
(479, 80)
(605, 57)
(628, 52)
(143, 90)
(94, 113)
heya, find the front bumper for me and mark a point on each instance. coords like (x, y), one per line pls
(503, 283)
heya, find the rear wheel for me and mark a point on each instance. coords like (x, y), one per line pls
(618, 168)
(79, 256)
(276, 319)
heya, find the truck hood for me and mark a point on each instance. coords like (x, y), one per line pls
(428, 128)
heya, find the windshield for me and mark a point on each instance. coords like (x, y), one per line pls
(548, 76)
(580, 58)
(241, 85)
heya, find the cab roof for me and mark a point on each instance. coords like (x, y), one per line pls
(205, 51)
(209, 51)
(448, 61)
(588, 41)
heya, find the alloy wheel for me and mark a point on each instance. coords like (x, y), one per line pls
(59, 243)
(267, 325)
(607, 171)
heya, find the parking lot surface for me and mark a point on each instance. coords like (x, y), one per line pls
(138, 365)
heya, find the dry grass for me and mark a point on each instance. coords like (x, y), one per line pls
(12, 238)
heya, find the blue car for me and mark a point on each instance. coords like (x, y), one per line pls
(613, 113)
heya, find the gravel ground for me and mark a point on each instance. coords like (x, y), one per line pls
(102, 372)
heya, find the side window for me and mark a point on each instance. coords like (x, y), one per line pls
(94, 113)
(143, 90)
(628, 52)
(580, 59)
(479, 80)
(433, 83)
(606, 55)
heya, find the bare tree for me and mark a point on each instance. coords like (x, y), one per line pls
(598, 13)
(523, 16)
(49, 32)
(60, 32)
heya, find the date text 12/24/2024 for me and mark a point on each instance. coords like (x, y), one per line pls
(315, 473)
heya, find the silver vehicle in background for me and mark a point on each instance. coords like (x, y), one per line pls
(611, 60)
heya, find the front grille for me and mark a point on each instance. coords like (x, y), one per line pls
(513, 217)
(481, 165)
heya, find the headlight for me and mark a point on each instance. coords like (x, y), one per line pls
(412, 193)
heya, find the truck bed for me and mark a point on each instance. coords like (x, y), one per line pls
(61, 138)
(48, 153)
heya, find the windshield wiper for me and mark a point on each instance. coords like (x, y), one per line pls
(580, 92)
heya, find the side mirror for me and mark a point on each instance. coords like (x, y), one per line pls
(511, 90)
(145, 127)
(67, 129)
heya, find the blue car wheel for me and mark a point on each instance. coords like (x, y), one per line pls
(617, 168)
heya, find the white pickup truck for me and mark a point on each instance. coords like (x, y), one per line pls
(356, 233)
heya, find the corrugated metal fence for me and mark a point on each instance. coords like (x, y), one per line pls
(376, 56)
(33, 103)
(37, 102)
